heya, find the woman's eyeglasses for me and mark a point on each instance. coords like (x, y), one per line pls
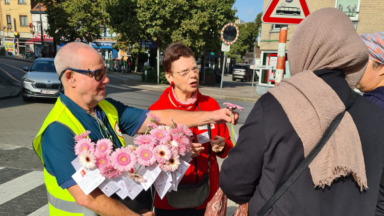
(98, 74)
(187, 71)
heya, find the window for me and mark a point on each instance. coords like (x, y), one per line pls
(22, 1)
(38, 27)
(349, 7)
(23, 21)
(6, 1)
(8, 19)
(43, 66)
(109, 34)
(277, 27)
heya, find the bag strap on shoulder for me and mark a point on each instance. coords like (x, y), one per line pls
(305, 163)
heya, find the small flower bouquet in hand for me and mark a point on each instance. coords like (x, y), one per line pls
(154, 158)
(233, 107)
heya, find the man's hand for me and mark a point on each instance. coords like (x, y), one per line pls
(196, 149)
(223, 116)
(149, 214)
(218, 144)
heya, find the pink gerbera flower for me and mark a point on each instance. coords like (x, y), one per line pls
(152, 125)
(104, 146)
(82, 136)
(84, 144)
(233, 106)
(123, 159)
(161, 135)
(162, 153)
(109, 171)
(174, 131)
(101, 159)
(145, 155)
(185, 130)
(144, 140)
(172, 164)
(153, 117)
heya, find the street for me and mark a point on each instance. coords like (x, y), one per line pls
(22, 189)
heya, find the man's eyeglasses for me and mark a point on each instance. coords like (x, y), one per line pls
(187, 71)
(98, 74)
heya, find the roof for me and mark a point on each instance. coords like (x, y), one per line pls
(36, 9)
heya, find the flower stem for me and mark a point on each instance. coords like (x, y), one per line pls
(232, 137)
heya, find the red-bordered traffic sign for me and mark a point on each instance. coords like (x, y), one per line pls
(228, 36)
(285, 12)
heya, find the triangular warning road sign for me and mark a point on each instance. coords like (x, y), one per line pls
(285, 12)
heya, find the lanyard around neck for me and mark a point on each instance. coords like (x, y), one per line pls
(102, 126)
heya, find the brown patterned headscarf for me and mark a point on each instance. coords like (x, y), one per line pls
(326, 39)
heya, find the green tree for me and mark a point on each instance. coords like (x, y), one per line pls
(72, 19)
(195, 23)
(247, 37)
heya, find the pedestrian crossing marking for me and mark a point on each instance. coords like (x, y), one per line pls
(20, 185)
(43, 211)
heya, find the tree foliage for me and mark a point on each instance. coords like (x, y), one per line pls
(195, 23)
(72, 19)
(247, 37)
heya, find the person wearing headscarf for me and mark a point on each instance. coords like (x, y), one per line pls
(346, 177)
(372, 82)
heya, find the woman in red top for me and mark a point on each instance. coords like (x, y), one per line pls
(183, 94)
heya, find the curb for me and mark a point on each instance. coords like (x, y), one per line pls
(207, 94)
(18, 59)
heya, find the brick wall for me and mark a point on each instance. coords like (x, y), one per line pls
(371, 16)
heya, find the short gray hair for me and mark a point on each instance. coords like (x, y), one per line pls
(68, 56)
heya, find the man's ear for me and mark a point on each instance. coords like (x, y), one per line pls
(69, 77)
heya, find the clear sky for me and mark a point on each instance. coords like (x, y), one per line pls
(248, 9)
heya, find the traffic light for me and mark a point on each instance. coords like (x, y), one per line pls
(17, 35)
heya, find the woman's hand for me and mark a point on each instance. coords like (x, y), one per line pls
(196, 149)
(218, 144)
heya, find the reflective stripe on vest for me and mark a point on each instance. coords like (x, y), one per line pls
(70, 207)
(60, 201)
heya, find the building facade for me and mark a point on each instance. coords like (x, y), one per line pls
(15, 17)
(366, 16)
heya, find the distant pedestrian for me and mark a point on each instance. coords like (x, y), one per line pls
(327, 60)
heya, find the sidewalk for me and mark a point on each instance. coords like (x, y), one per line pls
(232, 90)
(8, 90)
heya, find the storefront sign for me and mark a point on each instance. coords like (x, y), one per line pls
(102, 44)
(148, 44)
(9, 45)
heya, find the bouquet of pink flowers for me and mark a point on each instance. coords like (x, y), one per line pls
(160, 146)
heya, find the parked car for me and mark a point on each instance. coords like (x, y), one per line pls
(242, 72)
(210, 70)
(41, 80)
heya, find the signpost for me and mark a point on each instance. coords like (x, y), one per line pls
(284, 12)
(229, 35)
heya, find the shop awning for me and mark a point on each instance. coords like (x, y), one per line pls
(38, 40)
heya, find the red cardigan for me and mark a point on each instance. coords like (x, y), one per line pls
(206, 104)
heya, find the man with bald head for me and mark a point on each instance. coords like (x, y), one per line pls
(81, 107)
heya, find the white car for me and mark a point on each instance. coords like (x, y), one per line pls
(41, 80)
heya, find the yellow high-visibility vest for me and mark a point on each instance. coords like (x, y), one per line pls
(61, 202)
